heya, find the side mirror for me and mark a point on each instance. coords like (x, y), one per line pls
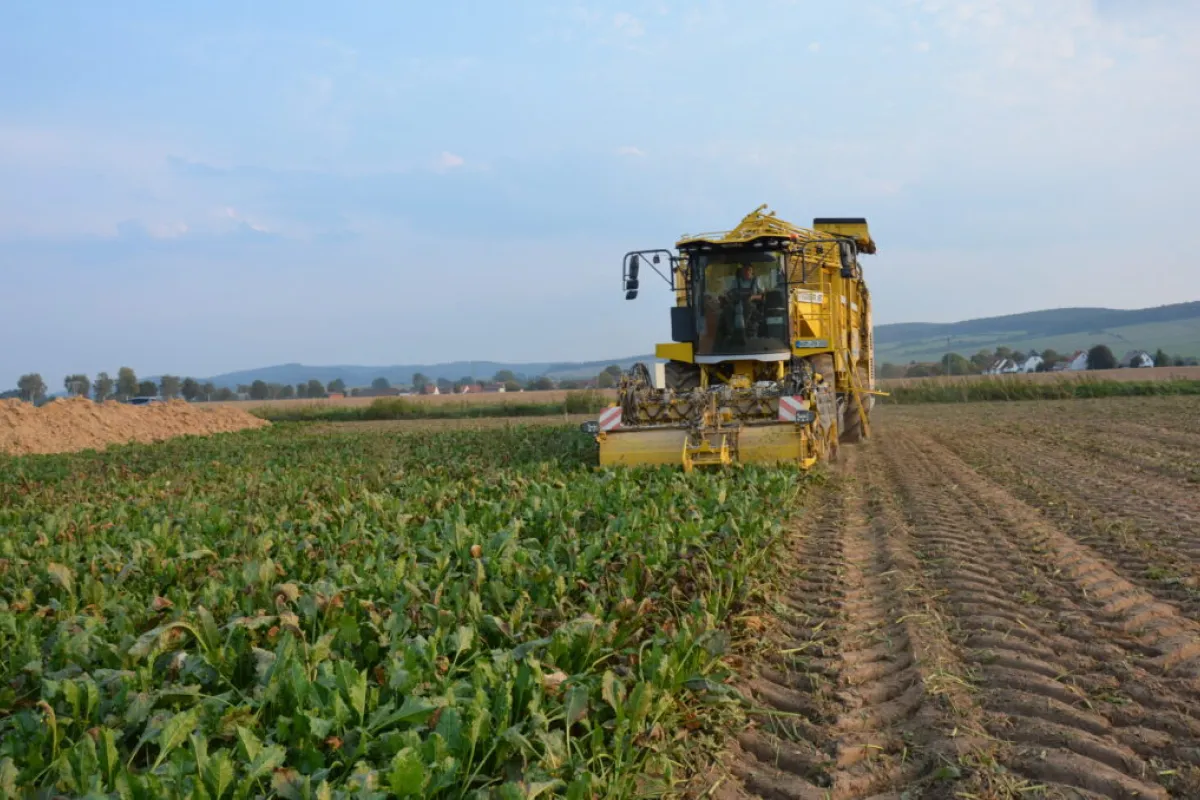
(630, 295)
(634, 263)
(847, 257)
(631, 285)
(656, 259)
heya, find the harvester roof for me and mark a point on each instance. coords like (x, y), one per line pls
(758, 226)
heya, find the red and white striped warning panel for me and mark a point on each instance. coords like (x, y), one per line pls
(610, 418)
(789, 405)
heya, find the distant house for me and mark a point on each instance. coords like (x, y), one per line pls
(1031, 364)
(430, 388)
(1004, 366)
(493, 387)
(335, 395)
(371, 391)
(1137, 358)
(1078, 362)
(470, 388)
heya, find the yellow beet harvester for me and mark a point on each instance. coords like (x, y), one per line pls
(772, 358)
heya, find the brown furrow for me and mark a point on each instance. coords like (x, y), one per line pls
(889, 731)
(1161, 619)
(1145, 520)
(1128, 452)
(957, 528)
(991, 600)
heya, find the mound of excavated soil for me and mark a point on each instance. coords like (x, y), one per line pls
(79, 424)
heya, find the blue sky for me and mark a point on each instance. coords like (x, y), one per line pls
(200, 187)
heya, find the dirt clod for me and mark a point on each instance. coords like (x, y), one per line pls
(79, 424)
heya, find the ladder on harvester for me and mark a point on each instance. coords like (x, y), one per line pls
(857, 391)
(705, 454)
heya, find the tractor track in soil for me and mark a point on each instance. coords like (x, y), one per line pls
(949, 636)
(1148, 527)
(864, 677)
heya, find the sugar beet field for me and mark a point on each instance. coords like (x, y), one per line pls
(987, 600)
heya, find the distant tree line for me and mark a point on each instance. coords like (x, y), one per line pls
(32, 388)
(1099, 357)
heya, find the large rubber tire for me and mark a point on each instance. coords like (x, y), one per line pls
(823, 364)
(682, 377)
(831, 456)
(852, 432)
(852, 427)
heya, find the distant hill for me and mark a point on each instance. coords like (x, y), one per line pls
(398, 375)
(1175, 328)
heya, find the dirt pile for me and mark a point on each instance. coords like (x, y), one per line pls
(79, 424)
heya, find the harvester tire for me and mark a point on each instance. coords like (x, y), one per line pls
(831, 446)
(854, 429)
(682, 377)
(852, 423)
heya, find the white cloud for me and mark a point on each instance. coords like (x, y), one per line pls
(449, 160)
(630, 150)
(814, 47)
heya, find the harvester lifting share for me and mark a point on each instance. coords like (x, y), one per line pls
(772, 358)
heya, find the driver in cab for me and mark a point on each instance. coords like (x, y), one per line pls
(744, 289)
(745, 285)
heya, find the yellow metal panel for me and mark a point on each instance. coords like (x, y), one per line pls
(771, 444)
(631, 448)
(674, 351)
(853, 230)
(760, 444)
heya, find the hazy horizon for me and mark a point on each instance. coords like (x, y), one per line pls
(204, 188)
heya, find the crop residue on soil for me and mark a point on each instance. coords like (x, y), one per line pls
(79, 424)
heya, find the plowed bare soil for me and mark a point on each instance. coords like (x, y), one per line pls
(79, 424)
(990, 601)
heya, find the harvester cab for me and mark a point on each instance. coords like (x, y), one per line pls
(771, 358)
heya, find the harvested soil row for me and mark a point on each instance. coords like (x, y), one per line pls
(1147, 526)
(864, 692)
(1163, 415)
(1078, 670)
(1174, 468)
(1157, 434)
(79, 424)
(1127, 448)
